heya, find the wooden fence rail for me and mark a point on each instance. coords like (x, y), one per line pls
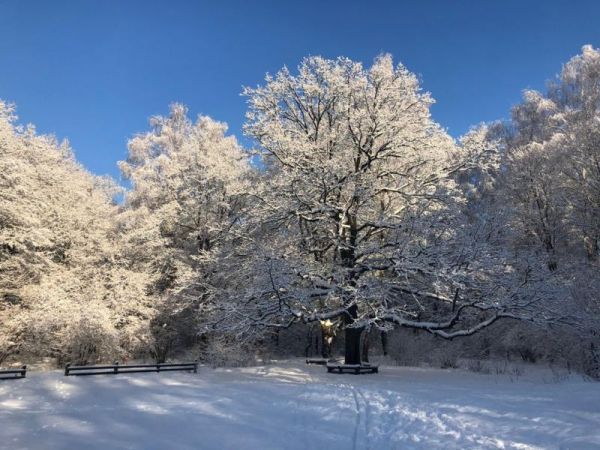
(10, 374)
(117, 368)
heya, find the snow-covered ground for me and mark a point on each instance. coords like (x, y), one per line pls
(292, 406)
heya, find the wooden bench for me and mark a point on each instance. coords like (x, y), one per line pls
(355, 369)
(11, 374)
(117, 368)
(319, 361)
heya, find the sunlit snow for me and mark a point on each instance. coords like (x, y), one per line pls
(292, 406)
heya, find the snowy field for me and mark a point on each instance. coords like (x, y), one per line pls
(291, 406)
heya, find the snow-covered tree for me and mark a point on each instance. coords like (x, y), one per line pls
(530, 176)
(58, 270)
(186, 180)
(361, 213)
(359, 217)
(551, 183)
(575, 135)
(550, 147)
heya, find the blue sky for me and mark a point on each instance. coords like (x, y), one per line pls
(94, 71)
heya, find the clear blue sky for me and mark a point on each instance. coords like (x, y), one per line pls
(94, 71)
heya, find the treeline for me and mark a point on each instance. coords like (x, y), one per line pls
(358, 215)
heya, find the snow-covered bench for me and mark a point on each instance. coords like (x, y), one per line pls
(129, 368)
(10, 374)
(352, 368)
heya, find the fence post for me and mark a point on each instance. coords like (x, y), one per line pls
(116, 368)
(24, 373)
(67, 369)
(196, 366)
(158, 367)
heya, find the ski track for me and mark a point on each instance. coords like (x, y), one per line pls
(357, 421)
(367, 421)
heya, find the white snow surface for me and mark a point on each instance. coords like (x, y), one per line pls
(288, 405)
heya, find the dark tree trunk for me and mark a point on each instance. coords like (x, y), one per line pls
(309, 343)
(352, 355)
(348, 259)
(384, 342)
(365, 347)
(352, 335)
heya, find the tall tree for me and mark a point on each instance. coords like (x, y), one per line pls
(551, 182)
(359, 216)
(59, 278)
(186, 179)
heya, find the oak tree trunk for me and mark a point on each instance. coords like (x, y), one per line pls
(365, 347)
(384, 342)
(352, 335)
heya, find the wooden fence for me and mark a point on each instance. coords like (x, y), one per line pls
(117, 368)
(10, 374)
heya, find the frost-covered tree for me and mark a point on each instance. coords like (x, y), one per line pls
(58, 271)
(361, 214)
(530, 177)
(551, 179)
(359, 217)
(575, 135)
(186, 179)
(550, 147)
